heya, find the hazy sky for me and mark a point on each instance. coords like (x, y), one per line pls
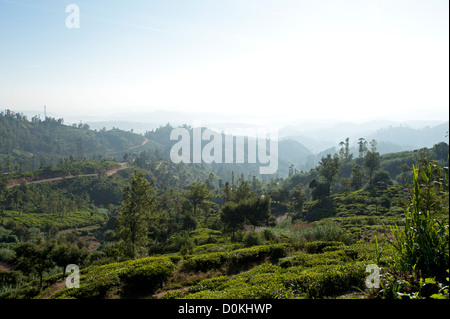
(288, 59)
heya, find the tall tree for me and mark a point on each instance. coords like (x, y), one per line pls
(139, 204)
(232, 179)
(373, 146)
(371, 163)
(210, 181)
(405, 172)
(329, 168)
(357, 179)
(231, 217)
(344, 152)
(291, 170)
(227, 194)
(254, 210)
(198, 193)
(362, 147)
(34, 258)
(297, 199)
(243, 191)
(66, 254)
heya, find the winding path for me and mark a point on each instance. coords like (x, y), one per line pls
(108, 172)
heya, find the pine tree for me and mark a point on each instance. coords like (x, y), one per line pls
(227, 193)
(139, 204)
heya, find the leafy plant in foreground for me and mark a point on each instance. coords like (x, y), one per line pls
(422, 246)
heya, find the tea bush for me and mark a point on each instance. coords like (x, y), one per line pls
(318, 246)
(235, 260)
(10, 277)
(204, 262)
(175, 294)
(258, 283)
(209, 284)
(325, 280)
(146, 274)
(272, 282)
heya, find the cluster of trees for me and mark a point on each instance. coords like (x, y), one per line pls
(245, 207)
(353, 174)
(144, 216)
(27, 145)
(39, 198)
(341, 172)
(35, 258)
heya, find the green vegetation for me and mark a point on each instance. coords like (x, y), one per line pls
(142, 276)
(134, 213)
(32, 144)
(149, 228)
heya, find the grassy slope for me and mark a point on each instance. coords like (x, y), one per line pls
(291, 266)
(74, 219)
(315, 269)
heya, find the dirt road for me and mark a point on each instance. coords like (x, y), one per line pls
(108, 172)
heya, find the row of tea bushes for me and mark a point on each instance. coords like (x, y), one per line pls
(236, 260)
(285, 270)
(274, 282)
(132, 276)
(312, 270)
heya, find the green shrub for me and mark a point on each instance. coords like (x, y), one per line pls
(326, 280)
(251, 238)
(28, 291)
(302, 259)
(10, 278)
(422, 245)
(327, 258)
(203, 236)
(7, 255)
(280, 250)
(244, 258)
(176, 294)
(328, 231)
(209, 284)
(204, 262)
(236, 260)
(318, 246)
(270, 282)
(298, 259)
(261, 282)
(146, 274)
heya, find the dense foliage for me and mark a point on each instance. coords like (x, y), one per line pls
(149, 228)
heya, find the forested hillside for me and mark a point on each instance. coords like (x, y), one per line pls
(27, 144)
(140, 226)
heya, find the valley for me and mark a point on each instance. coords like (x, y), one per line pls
(140, 225)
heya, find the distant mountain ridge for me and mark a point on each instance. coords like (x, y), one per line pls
(314, 136)
(413, 138)
(390, 139)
